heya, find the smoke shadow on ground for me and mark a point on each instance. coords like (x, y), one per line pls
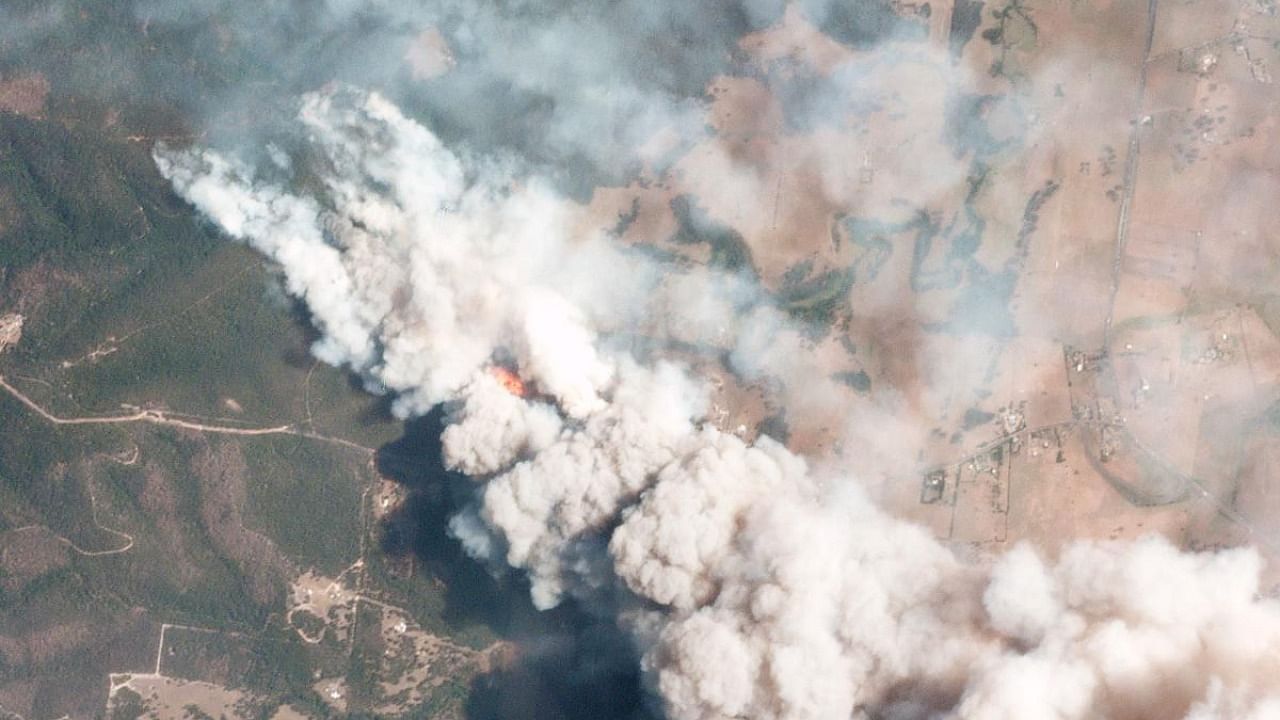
(417, 529)
(567, 664)
(582, 678)
(298, 355)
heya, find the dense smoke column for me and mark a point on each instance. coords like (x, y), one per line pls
(751, 586)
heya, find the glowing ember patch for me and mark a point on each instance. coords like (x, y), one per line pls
(509, 380)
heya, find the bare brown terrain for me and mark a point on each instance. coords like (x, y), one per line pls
(1118, 179)
(24, 94)
(1145, 261)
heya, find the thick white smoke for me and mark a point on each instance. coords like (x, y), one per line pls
(754, 587)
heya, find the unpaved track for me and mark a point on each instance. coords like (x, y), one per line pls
(157, 417)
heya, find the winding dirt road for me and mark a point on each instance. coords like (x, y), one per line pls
(157, 417)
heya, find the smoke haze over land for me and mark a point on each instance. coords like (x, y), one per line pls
(424, 179)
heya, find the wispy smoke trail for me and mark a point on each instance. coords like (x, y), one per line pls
(753, 586)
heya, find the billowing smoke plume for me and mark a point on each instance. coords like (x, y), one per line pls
(753, 586)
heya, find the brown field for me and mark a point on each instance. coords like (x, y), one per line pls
(166, 698)
(1129, 188)
(24, 94)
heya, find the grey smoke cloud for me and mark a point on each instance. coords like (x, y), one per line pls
(433, 226)
(753, 585)
(571, 90)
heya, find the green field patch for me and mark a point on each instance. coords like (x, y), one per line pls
(224, 358)
(859, 380)
(814, 300)
(695, 226)
(305, 496)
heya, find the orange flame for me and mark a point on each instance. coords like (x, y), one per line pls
(509, 380)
